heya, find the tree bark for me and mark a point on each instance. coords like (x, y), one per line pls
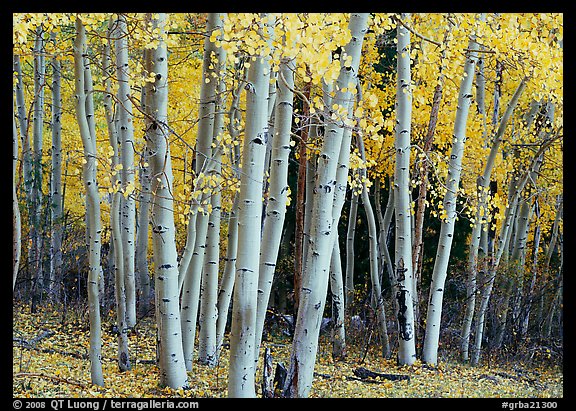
(434, 312)
(480, 219)
(56, 184)
(323, 227)
(171, 356)
(125, 131)
(403, 274)
(92, 205)
(115, 225)
(278, 194)
(241, 371)
(193, 274)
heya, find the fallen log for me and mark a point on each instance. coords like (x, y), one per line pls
(366, 375)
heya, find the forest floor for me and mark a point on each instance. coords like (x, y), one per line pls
(50, 351)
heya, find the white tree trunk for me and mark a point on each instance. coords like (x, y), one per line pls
(16, 223)
(125, 129)
(480, 219)
(337, 289)
(56, 184)
(115, 227)
(374, 255)
(323, 227)
(350, 235)
(92, 206)
(35, 257)
(144, 199)
(241, 372)
(278, 194)
(434, 311)
(228, 276)
(402, 284)
(207, 346)
(193, 275)
(172, 367)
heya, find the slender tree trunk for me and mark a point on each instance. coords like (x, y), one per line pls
(115, 225)
(125, 131)
(171, 356)
(480, 219)
(434, 312)
(241, 371)
(92, 205)
(323, 227)
(228, 276)
(193, 274)
(56, 185)
(350, 235)
(403, 275)
(227, 282)
(373, 250)
(337, 289)
(144, 199)
(207, 347)
(278, 194)
(503, 237)
(35, 259)
(16, 223)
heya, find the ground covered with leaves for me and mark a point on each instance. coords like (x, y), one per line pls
(50, 359)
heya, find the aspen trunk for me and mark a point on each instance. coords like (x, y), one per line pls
(115, 226)
(92, 206)
(373, 250)
(323, 228)
(207, 346)
(480, 218)
(56, 185)
(171, 356)
(144, 199)
(193, 275)
(227, 282)
(35, 254)
(125, 129)
(403, 275)
(278, 194)
(502, 240)
(16, 223)
(337, 289)
(434, 311)
(350, 235)
(241, 371)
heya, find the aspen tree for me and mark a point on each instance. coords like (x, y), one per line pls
(35, 252)
(92, 205)
(403, 275)
(337, 290)
(434, 311)
(323, 225)
(193, 274)
(207, 346)
(242, 335)
(16, 223)
(171, 355)
(56, 182)
(144, 200)
(516, 190)
(115, 225)
(483, 187)
(125, 130)
(373, 255)
(277, 194)
(350, 235)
